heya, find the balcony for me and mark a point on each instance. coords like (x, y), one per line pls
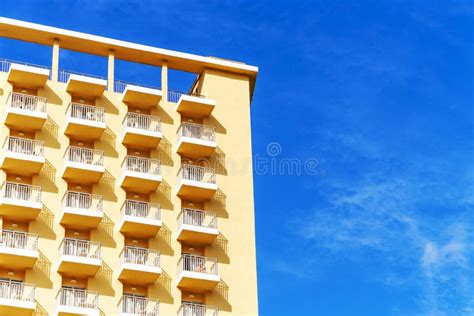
(80, 258)
(27, 76)
(140, 219)
(140, 174)
(138, 306)
(82, 210)
(20, 201)
(140, 266)
(139, 96)
(77, 302)
(82, 85)
(17, 298)
(197, 273)
(188, 308)
(84, 121)
(196, 183)
(22, 156)
(196, 226)
(83, 165)
(25, 112)
(195, 140)
(141, 131)
(18, 250)
(195, 105)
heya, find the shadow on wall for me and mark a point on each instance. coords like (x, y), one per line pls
(40, 310)
(221, 297)
(52, 97)
(162, 288)
(106, 187)
(104, 280)
(163, 241)
(163, 196)
(220, 249)
(42, 272)
(218, 162)
(105, 232)
(219, 128)
(165, 152)
(50, 133)
(164, 116)
(108, 142)
(218, 204)
(48, 178)
(106, 102)
(44, 224)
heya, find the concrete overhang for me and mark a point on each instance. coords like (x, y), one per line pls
(101, 46)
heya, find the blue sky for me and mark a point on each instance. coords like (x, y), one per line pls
(379, 93)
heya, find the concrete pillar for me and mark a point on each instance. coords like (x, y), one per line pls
(164, 81)
(55, 61)
(111, 71)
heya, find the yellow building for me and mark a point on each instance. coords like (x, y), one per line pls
(120, 199)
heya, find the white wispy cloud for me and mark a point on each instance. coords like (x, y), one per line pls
(287, 267)
(388, 213)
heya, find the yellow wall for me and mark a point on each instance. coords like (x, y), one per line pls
(235, 208)
(234, 249)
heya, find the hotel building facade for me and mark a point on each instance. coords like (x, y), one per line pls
(124, 199)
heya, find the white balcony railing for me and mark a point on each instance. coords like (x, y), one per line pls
(5, 65)
(83, 201)
(80, 248)
(85, 112)
(26, 102)
(174, 95)
(197, 173)
(195, 309)
(84, 155)
(139, 306)
(141, 165)
(24, 146)
(121, 85)
(193, 263)
(18, 291)
(143, 122)
(72, 297)
(141, 256)
(199, 218)
(197, 131)
(141, 209)
(21, 192)
(63, 75)
(18, 240)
